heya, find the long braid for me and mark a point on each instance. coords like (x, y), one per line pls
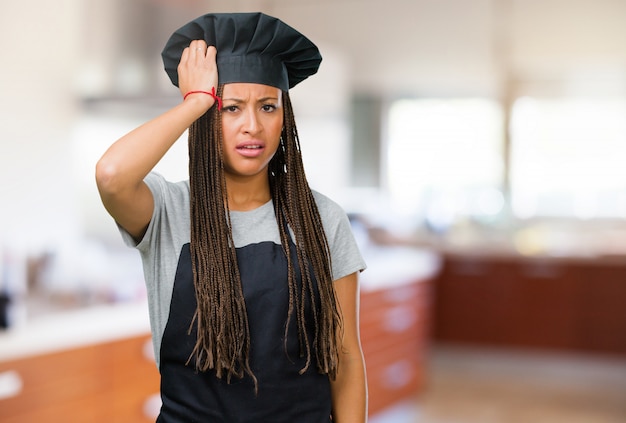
(223, 334)
(295, 205)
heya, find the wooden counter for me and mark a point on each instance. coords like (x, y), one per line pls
(87, 366)
(560, 303)
(394, 331)
(395, 323)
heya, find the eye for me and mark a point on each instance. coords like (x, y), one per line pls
(268, 107)
(230, 109)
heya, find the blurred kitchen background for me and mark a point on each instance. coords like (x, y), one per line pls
(479, 147)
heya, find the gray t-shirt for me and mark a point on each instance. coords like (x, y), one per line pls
(169, 230)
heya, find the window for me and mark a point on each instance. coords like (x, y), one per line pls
(445, 159)
(568, 158)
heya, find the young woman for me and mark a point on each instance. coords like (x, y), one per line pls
(251, 275)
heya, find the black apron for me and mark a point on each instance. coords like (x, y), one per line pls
(284, 395)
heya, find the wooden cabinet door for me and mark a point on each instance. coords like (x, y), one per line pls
(110, 382)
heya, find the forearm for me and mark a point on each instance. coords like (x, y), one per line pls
(126, 163)
(349, 390)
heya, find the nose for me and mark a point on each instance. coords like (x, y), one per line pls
(252, 124)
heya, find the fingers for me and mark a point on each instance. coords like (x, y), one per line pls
(211, 53)
(198, 48)
(197, 69)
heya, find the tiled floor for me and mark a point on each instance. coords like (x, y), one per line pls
(499, 386)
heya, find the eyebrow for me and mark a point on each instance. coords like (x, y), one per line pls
(261, 100)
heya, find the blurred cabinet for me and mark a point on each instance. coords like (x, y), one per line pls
(394, 331)
(556, 303)
(109, 382)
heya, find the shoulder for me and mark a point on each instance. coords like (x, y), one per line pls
(328, 208)
(345, 255)
(165, 191)
(170, 214)
(334, 218)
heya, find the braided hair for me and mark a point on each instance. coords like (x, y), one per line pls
(223, 334)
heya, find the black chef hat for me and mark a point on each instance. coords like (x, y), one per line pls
(251, 47)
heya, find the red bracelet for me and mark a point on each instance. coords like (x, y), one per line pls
(212, 94)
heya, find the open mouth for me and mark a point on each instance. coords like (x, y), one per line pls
(251, 150)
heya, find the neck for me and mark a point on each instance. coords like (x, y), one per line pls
(247, 193)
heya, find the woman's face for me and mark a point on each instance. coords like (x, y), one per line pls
(252, 120)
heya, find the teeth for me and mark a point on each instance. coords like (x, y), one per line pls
(252, 147)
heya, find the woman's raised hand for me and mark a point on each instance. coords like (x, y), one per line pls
(197, 71)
